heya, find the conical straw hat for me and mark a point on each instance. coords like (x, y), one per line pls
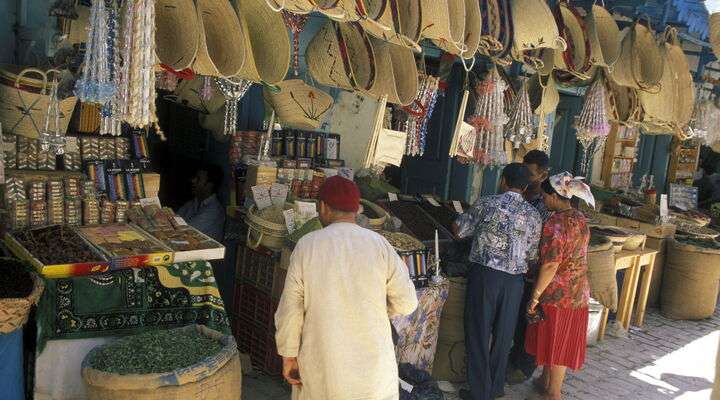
(268, 41)
(398, 22)
(341, 55)
(640, 64)
(443, 21)
(298, 105)
(396, 73)
(177, 33)
(223, 48)
(604, 36)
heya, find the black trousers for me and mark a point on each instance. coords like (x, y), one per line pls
(519, 358)
(492, 304)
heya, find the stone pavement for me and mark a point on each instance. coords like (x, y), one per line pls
(664, 360)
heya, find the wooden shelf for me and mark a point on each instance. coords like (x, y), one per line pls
(678, 170)
(610, 156)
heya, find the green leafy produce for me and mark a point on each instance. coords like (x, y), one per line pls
(154, 352)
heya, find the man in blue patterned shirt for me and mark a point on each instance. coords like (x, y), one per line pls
(506, 230)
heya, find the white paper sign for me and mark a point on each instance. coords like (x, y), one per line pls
(149, 201)
(457, 206)
(406, 386)
(432, 201)
(278, 193)
(664, 206)
(261, 195)
(392, 196)
(289, 220)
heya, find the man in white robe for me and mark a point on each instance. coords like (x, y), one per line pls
(333, 327)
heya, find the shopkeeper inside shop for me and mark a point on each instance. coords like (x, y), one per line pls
(204, 212)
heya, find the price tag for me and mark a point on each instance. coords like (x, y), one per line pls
(289, 220)
(149, 201)
(457, 206)
(392, 196)
(278, 194)
(179, 221)
(664, 206)
(261, 195)
(432, 201)
(406, 386)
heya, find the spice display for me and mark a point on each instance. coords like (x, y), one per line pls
(90, 148)
(419, 113)
(402, 242)
(121, 240)
(489, 120)
(695, 230)
(9, 151)
(15, 189)
(27, 153)
(56, 202)
(55, 245)
(38, 213)
(90, 211)
(443, 215)
(413, 217)
(694, 241)
(519, 129)
(19, 214)
(154, 352)
(15, 280)
(691, 217)
(122, 148)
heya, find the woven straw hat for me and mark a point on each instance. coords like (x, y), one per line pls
(544, 96)
(177, 33)
(604, 36)
(398, 22)
(268, 58)
(397, 75)
(640, 64)
(576, 58)
(443, 21)
(298, 105)
(473, 28)
(714, 35)
(223, 48)
(535, 26)
(341, 55)
(684, 100)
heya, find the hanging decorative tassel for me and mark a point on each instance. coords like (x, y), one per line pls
(206, 90)
(489, 121)
(233, 91)
(51, 138)
(419, 113)
(519, 129)
(109, 122)
(296, 24)
(95, 85)
(592, 125)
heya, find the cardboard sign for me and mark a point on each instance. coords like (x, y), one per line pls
(392, 196)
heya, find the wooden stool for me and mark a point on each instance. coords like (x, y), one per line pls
(627, 261)
(646, 261)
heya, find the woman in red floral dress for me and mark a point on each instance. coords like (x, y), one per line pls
(559, 303)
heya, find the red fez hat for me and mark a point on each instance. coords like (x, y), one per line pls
(340, 194)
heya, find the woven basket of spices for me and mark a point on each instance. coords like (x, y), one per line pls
(376, 214)
(14, 311)
(266, 227)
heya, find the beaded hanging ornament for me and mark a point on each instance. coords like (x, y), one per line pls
(419, 113)
(95, 85)
(109, 122)
(489, 121)
(233, 90)
(51, 138)
(296, 24)
(519, 129)
(592, 125)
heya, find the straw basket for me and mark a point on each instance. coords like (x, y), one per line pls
(24, 101)
(375, 224)
(177, 33)
(262, 232)
(576, 58)
(268, 43)
(601, 274)
(714, 35)
(218, 377)
(684, 99)
(443, 21)
(14, 313)
(604, 36)
(398, 23)
(473, 28)
(396, 73)
(298, 105)
(535, 27)
(640, 65)
(223, 48)
(657, 105)
(341, 55)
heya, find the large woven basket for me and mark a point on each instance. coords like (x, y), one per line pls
(24, 101)
(375, 224)
(177, 33)
(341, 55)
(398, 23)
(535, 27)
(575, 60)
(262, 232)
(223, 48)
(298, 105)
(684, 100)
(218, 377)
(604, 36)
(443, 21)
(268, 56)
(396, 73)
(14, 313)
(640, 65)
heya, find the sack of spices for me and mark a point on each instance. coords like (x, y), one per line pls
(193, 362)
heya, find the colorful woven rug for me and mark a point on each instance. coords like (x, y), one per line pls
(131, 301)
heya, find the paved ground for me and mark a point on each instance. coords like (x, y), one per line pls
(665, 360)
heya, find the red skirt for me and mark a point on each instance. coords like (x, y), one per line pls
(560, 339)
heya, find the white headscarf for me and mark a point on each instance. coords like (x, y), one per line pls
(568, 186)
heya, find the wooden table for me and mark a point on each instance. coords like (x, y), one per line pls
(635, 263)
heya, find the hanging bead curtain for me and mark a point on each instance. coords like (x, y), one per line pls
(95, 85)
(519, 129)
(233, 90)
(489, 121)
(419, 113)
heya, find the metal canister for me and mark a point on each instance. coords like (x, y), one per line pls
(277, 143)
(300, 144)
(290, 144)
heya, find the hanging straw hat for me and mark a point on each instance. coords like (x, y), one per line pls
(473, 28)
(684, 100)
(268, 42)
(298, 105)
(223, 47)
(640, 64)
(396, 73)
(544, 96)
(177, 33)
(604, 36)
(535, 28)
(575, 60)
(443, 22)
(398, 22)
(658, 105)
(341, 55)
